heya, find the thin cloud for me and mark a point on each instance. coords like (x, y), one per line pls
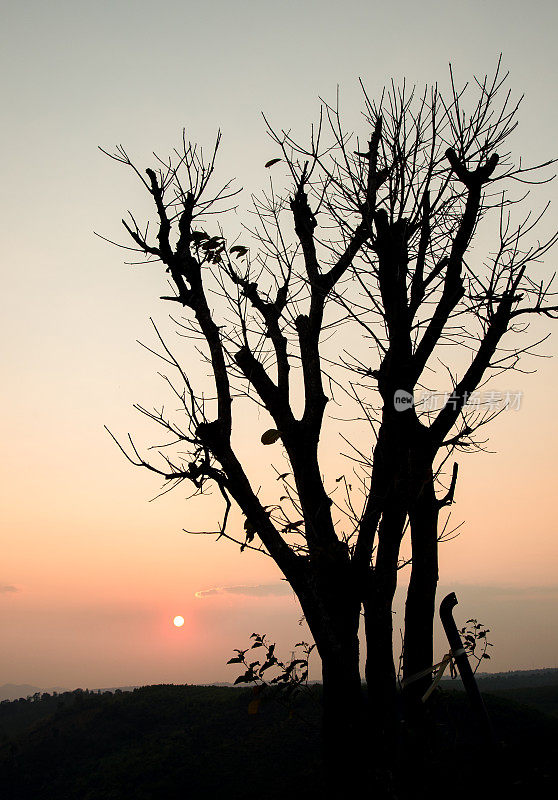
(6, 588)
(503, 590)
(281, 588)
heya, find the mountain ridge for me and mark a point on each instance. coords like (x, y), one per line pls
(523, 677)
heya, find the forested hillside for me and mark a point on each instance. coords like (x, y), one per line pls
(201, 741)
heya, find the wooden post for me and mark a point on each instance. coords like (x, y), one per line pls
(461, 659)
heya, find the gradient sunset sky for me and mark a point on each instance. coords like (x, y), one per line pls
(91, 572)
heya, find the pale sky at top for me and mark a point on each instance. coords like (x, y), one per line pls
(91, 573)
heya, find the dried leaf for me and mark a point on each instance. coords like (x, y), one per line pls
(212, 243)
(293, 526)
(198, 236)
(272, 162)
(270, 436)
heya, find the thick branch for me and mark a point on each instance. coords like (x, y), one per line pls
(271, 395)
(305, 224)
(453, 284)
(449, 415)
(447, 500)
(164, 223)
(238, 486)
(271, 313)
(417, 283)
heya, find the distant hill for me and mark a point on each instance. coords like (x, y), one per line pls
(521, 678)
(13, 691)
(488, 681)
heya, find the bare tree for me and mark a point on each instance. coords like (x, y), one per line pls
(370, 243)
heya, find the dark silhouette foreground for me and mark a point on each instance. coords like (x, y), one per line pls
(173, 742)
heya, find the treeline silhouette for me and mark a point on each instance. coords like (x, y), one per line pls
(162, 741)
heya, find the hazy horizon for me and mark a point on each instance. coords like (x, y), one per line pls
(92, 572)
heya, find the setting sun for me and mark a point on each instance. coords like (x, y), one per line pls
(178, 621)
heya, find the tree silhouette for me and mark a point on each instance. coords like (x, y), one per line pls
(359, 285)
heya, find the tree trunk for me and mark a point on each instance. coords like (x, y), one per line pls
(353, 766)
(344, 732)
(380, 669)
(383, 707)
(420, 604)
(332, 611)
(350, 734)
(378, 613)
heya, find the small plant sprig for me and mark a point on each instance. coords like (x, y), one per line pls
(293, 673)
(473, 635)
(290, 678)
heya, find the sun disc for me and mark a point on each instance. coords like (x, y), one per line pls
(178, 621)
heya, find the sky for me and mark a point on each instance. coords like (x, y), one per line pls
(93, 571)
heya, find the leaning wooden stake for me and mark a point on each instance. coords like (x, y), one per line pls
(459, 654)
